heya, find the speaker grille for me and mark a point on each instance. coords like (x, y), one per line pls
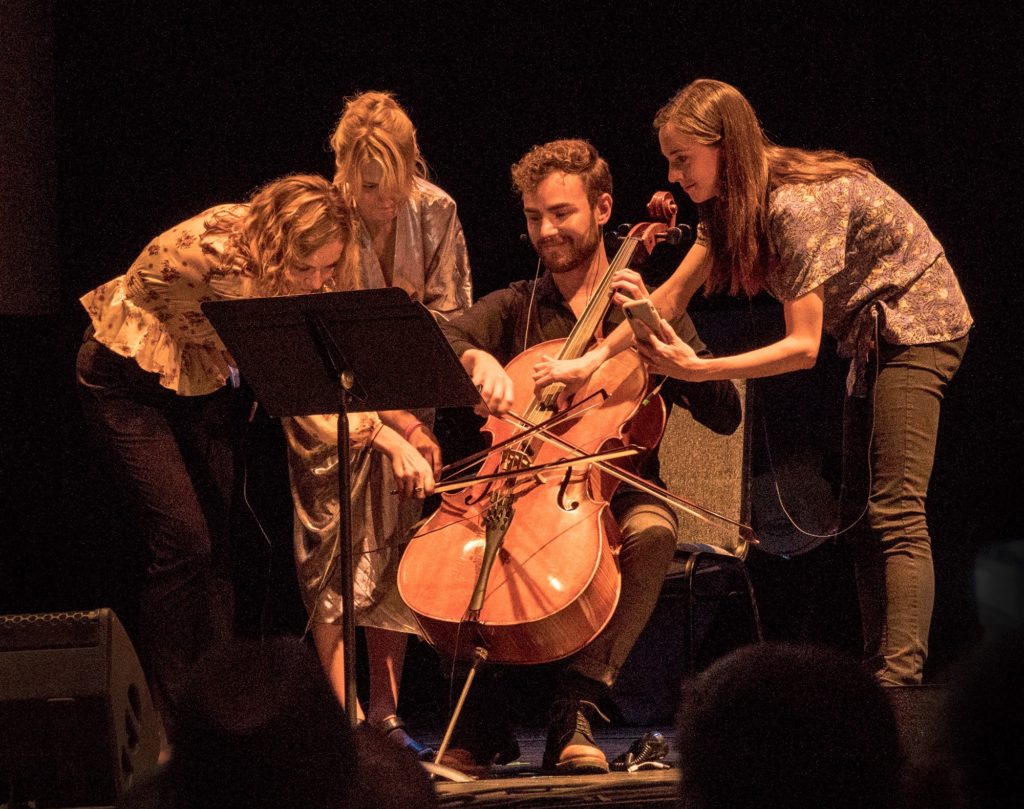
(54, 630)
(710, 470)
(77, 724)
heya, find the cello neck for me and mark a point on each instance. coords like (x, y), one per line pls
(582, 334)
(594, 312)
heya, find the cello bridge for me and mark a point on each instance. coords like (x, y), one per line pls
(515, 459)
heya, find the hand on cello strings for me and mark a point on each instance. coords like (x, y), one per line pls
(626, 285)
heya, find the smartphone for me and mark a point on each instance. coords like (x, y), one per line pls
(644, 311)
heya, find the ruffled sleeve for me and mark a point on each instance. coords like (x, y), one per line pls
(152, 312)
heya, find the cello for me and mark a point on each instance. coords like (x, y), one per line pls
(522, 562)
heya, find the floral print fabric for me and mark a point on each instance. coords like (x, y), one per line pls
(868, 246)
(152, 314)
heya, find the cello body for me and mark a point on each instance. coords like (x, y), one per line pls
(554, 581)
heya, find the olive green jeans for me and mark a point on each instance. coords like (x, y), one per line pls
(888, 450)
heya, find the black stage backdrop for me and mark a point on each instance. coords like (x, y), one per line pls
(162, 109)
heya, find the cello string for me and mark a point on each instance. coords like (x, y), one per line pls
(634, 480)
(529, 307)
(528, 471)
(591, 310)
(576, 409)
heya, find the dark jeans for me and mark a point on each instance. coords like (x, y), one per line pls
(889, 439)
(175, 456)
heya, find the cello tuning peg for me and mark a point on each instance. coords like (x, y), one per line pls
(623, 229)
(673, 236)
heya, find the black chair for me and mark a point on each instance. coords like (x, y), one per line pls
(708, 567)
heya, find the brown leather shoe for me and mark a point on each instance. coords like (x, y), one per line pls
(570, 747)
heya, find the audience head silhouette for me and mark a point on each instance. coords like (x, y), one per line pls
(259, 727)
(779, 725)
(984, 724)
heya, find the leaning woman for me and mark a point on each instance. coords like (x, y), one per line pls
(408, 236)
(155, 384)
(845, 254)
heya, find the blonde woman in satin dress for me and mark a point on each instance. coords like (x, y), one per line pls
(409, 236)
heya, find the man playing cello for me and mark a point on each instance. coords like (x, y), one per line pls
(566, 192)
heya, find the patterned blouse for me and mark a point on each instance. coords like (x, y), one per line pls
(152, 315)
(866, 244)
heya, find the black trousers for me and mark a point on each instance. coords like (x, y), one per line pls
(648, 544)
(889, 440)
(175, 457)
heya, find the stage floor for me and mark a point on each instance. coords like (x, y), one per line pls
(522, 783)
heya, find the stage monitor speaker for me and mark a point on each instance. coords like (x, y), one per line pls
(711, 470)
(77, 725)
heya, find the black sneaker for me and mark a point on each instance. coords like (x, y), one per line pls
(646, 753)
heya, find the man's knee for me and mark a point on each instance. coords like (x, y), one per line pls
(652, 546)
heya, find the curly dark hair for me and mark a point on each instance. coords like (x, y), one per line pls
(571, 156)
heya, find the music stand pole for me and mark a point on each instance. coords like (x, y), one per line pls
(346, 381)
(348, 597)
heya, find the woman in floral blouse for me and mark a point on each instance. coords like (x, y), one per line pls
(155, 385)
(845, 254)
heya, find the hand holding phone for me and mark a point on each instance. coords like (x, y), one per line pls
(643, 311)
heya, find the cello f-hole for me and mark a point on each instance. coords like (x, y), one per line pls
(563, 500)
(470, 500)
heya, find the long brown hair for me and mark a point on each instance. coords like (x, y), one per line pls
(750, 167)
(283, 222)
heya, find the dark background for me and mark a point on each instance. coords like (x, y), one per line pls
(121, 120)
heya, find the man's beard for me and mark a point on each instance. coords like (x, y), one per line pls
(580, 254)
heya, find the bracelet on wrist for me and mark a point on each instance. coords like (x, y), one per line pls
(408, 431)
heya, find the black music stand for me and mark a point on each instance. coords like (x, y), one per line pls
(342, 352)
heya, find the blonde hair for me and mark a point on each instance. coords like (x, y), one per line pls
(750, 167)
(284, 222)
(375, 129)
(569, 156)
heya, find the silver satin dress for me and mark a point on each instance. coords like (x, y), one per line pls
(432, 265)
